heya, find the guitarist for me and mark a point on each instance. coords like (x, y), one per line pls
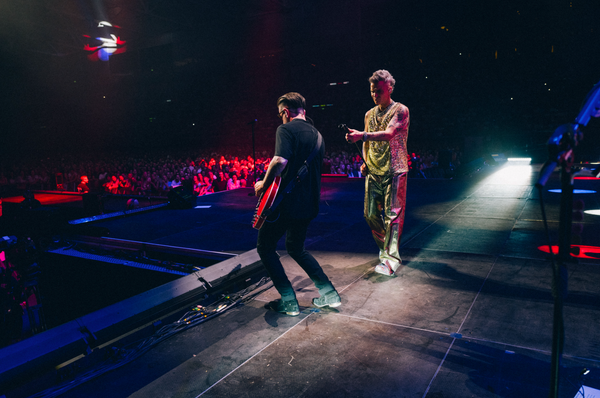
(296, 139)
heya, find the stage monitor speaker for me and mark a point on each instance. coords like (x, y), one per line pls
(181, 198)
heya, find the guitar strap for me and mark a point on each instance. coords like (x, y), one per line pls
(302, 172)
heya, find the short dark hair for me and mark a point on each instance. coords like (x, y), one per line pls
(382, 75)
(293, 101)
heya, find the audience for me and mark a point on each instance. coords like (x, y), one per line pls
(155, 175)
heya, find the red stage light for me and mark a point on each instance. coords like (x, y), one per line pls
(108, 45)
(584, 251)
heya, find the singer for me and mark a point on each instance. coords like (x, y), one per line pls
(384, 151)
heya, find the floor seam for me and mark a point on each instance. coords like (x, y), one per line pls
(438, 368)
(459, 329)
(249, 359)
(477, 295)
(466, 338)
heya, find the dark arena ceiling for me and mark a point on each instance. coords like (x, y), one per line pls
(197, 72)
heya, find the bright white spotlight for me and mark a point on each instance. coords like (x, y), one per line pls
(520, 160)
(511, 174)
(592, 212)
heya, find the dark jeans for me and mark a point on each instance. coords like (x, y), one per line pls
(295, 234)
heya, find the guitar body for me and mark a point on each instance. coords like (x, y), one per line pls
(265, 202)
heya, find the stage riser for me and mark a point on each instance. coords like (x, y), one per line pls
(46, 350)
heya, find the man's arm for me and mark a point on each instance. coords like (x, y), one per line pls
(276, 167)
(398, 123)
(363, 166)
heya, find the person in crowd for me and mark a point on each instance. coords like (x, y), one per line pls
(71, 180)
(124, 185)
(29, 201)
(296, 139)
(188, 183)
(386, 169)
(221, 183)
(83, 185)
(112, 186)
(162, 185)
(197, 185)
(244, 176)
(134, 186)
(146, 186)
(158, 186)
(176, 182)
(33, 180)
(21, 181)
(233, 182)
(326, 166)
(207, 187)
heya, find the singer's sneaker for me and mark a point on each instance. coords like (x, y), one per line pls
(384, 269)
(330, 299)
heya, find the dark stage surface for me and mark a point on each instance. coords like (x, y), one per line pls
(468, 315)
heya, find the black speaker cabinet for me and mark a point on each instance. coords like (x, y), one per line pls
(181, 198)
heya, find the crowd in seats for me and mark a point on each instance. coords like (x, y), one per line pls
(422, 163)
(155, 175)
(342, 162)
(124, 174)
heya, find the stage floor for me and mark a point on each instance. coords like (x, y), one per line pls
(469, 313)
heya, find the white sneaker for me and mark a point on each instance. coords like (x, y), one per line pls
(384, 268)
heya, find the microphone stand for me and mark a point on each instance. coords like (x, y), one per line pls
(561, 152)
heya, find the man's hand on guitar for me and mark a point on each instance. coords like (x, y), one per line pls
(259, 188)
(354, 135)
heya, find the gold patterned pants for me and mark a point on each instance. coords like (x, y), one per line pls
(385, 201)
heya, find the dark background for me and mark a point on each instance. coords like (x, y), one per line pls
(485, 76)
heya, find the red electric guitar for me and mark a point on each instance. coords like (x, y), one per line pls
(265, 202)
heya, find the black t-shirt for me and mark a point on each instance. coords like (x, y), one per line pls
(294, 142)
